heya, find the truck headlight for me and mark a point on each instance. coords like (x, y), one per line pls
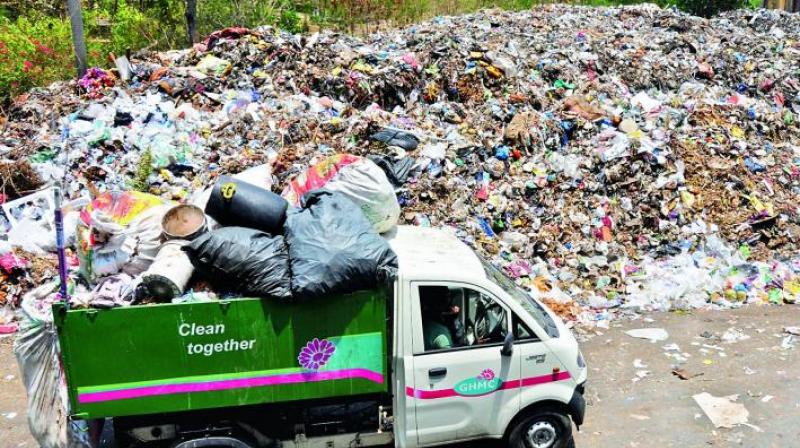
(581, 361)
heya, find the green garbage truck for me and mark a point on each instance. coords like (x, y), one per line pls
(450, 351)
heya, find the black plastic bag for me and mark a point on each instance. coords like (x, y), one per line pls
(333, 248)
(398, 171)
(122, 119)
(392, 137)
(244, 261)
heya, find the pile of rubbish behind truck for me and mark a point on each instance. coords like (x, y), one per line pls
(609, 159)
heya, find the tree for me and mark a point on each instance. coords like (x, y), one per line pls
(78, 40)
(191, 14)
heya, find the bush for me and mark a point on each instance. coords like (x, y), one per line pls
(291, 21)
(38, 51)
(213, 15)
(708, 8)
(34, 53)
(130, 29)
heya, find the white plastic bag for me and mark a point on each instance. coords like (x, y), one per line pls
(34, 236)
(358, 178)
(259, 175)
(37, 352)
(130, 249)
(367, 185)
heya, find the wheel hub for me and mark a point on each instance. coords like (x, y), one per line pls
(541, 435)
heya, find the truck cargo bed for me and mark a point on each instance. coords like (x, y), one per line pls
(180, 357)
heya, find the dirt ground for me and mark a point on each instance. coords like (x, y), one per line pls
(634, 399)
(658, 410)
(13, 423)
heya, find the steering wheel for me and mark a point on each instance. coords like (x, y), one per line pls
(490, 323)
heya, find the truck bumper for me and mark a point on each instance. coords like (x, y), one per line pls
(577, 405)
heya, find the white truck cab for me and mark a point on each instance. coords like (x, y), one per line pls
(474, 355)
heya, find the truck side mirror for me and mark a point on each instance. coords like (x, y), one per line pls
(508, 345)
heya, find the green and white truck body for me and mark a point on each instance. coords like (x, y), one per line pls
(248, 373)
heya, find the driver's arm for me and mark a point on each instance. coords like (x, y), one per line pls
(441, 342)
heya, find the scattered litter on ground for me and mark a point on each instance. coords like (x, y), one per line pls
(722, 411)
(792, 330)
(684, 374)
(789, 342)
(734, 335)
(653, 334)
(640, 375)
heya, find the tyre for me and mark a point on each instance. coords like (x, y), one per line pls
(542, 429)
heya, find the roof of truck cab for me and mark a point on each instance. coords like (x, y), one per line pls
(426, 253)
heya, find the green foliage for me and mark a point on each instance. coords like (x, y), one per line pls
(35, 53)
(13, 9)
(291, 21)
(37, 50)
(217, 14)
(708, 8)
(129, 28)
(143, 171)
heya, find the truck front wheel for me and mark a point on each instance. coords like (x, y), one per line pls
(542, 429)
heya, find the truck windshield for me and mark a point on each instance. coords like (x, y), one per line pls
(530, 305)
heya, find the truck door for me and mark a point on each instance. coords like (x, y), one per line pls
(539, 363)
(461, 377)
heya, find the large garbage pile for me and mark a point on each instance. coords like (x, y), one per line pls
(608, 159)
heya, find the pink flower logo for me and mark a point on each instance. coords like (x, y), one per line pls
(487, 375)
(316, 354)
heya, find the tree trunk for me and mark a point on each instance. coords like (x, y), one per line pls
(78, 41)
(191, 13)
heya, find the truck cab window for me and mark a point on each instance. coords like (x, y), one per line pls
(522, 332)
(438, 317)
(454, 317)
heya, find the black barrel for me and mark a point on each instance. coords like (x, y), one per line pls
(237, 203)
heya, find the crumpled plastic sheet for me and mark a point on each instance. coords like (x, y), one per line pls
(244, 261)
(37, 353)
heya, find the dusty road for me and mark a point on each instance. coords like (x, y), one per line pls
(13, 424)
(658, 410)
(634, 399)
